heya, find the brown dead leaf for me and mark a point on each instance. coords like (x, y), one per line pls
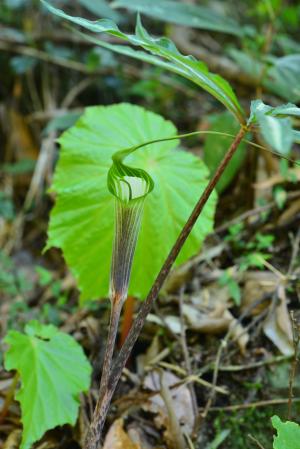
(20, 136)
(181, 397)
(13, 440)
(117, 438)
(278, 326)
(238, 332)
(207, 323)
(289, 213)
(257, 284)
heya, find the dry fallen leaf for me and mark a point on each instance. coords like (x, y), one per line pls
(117, 438)
(278, 326)
(257, 284)
(13, 440)
(181, 397)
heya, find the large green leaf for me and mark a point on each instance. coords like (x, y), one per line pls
(183, 14)
(82, 221)
(53, 371)
(164, 48)
(288, 434)
(215, 147)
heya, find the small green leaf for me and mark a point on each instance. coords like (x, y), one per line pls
(284, 110)
(277, 133)
(82, 221)
(275, 124)
(186, 66)
(183, 14)
(288, 434)
(53, 371)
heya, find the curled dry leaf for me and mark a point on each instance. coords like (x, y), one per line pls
(181, 397)
(117, 438)
(278, 326)
(257, 284)
(211, 322)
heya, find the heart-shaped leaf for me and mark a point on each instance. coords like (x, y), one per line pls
(82, 221)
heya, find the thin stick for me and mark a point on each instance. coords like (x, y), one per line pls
(103, 403)
(252, 438)
(232, 408)
(176, 432)
(296, 340)
(185, 351)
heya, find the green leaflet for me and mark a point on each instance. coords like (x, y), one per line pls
(82, 221)
(288, 434)
(53, 371)
(164, 48)
(275, 124)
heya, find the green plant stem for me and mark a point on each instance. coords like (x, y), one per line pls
(94, 436)
(216, 133)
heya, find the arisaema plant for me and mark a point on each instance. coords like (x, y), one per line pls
(98, 145)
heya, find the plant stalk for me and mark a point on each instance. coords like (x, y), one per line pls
(94, 441)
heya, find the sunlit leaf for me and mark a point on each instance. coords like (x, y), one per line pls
(288, 434)
(53, 371)
(82, 221)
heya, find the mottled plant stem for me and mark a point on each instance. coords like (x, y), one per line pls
(103, 401)
(116, 308)
(94, 439)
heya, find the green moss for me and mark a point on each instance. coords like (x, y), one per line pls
(241, 423)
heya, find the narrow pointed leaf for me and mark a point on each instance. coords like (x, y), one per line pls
(186, 66)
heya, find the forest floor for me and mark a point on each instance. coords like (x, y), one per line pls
(217, 351)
